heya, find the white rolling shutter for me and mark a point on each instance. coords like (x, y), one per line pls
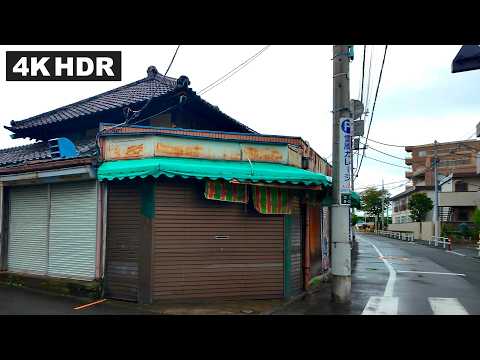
(28, 228)
(72, 236)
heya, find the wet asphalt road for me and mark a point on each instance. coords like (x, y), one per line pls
(421, 274)
(19, 301)
(426, 281)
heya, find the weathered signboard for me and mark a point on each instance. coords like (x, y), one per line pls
(137, 147)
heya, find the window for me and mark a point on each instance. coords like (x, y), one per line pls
(461, 186)
(462, 214)
(422, 153)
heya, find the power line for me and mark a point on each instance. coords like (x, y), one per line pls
(400, 166)
(363, 72)
(390, 183)
(232, 72)
(137, 113)
(369, 77)
(373, 109)
(384, 153)
(378, 142)
(204, 90)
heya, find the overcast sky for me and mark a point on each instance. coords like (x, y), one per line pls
(288, 90)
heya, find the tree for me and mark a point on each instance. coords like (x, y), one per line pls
(476, 221)
(371, 201)
(355, 219)
(419, 205)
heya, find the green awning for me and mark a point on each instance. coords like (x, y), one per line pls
(242, 171)
(355, 200)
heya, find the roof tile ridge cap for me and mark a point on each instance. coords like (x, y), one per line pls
(35, 117)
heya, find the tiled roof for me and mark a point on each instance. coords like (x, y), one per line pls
(20, 155)
(154, 84)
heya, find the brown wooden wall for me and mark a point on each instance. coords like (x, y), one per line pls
(123, 240)
(296, 250)
(213, 249)
(315, 239)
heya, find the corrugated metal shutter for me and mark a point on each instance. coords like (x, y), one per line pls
(123, 240)
(213, 249)
(73, 235)
(296, 250)
(28, 227)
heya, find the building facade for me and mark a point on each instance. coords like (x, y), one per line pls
(458, 177)
(199, 205)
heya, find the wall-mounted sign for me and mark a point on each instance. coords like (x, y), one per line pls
(344, 159)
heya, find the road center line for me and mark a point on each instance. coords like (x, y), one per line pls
(392, 274)
(429, 272)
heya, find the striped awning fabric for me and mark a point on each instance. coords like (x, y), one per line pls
(268, 200)
(225, 191)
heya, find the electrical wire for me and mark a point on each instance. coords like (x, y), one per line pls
(367, 102)
(381, 143)
(390, 183)
(137, 113)
(232, 72)
(400, 166)
(384, 153)
(373, 109)
(363, 73)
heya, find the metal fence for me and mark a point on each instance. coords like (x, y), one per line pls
(441, 240)
(406, 236)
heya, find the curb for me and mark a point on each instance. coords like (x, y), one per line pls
(324, 278)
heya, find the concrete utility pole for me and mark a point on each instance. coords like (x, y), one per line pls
(383, 202)
(435, 207)
(341, 245)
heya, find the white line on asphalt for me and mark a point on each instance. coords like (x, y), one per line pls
(454, 252)
(378, 305)
(392, 274)
(446, 306)
(429, 272)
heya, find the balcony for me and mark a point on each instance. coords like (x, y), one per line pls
(464, 198)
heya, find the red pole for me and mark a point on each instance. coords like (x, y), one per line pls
(449, 243)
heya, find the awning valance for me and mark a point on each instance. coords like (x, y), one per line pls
(242, 171)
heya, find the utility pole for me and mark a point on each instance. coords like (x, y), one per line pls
(435, 208)
(341, 245)
(383, 202)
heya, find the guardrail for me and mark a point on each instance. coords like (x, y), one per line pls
(439, 240)
(406, 236)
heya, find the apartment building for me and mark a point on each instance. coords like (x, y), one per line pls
(458, 176)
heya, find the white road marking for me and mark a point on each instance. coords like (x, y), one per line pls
(454, 252)
(378, 305)
(446, 306)
(392, 274)
(429, 272)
